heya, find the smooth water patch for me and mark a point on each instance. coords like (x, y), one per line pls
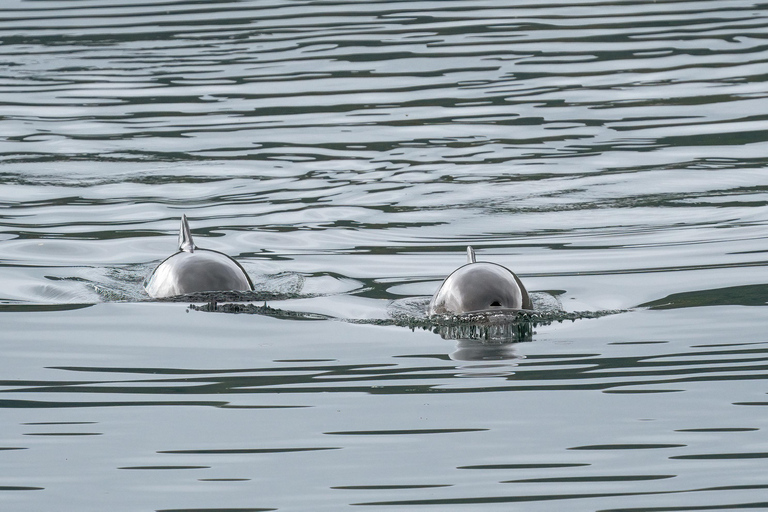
(201, 411)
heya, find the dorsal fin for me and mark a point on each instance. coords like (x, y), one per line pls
(185, 236)
(471, 255)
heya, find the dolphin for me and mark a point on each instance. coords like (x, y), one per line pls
(480, 287)
(194, 270)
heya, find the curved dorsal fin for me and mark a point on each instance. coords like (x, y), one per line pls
(185, 236)
(471, 255)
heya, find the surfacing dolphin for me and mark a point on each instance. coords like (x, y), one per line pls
(479, 287)
(193, 270)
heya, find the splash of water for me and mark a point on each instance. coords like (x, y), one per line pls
(411, 313)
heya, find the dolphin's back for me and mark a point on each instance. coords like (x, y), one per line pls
(480, 286)
(193, 270)
(198, 271)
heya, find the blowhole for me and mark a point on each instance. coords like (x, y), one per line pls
(495, 304)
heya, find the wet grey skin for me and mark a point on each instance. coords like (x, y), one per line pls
(193, 270)
(479, 287)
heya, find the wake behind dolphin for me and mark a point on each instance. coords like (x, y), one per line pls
(480, 287)
(193, 270)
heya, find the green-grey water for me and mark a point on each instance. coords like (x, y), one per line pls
(613, 154)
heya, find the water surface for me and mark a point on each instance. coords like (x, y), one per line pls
(611, 153)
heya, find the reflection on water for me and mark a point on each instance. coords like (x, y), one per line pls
(477, 350)
(591, 413)
(611, 154)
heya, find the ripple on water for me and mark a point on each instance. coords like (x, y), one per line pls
(611, 154)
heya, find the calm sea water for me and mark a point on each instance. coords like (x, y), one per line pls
(613, 154)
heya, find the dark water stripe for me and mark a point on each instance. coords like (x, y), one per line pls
(389, 487)
(39, 404)
(164, 467)
(416, 431)
(62, 423)
(747, 295)
(717, 429)
(559, 497)
(229, 451)
(362, 368)
(486, 467)
(638, 446)
(722, 456)
(596, 478)
(21, 308)
(64, 434)
(223, 479)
